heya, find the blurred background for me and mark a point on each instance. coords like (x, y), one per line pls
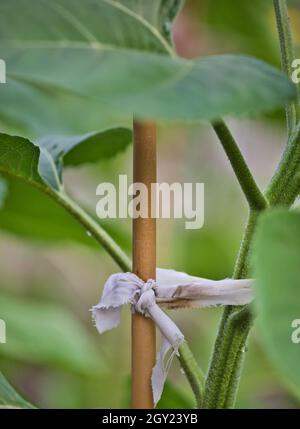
(54, 355)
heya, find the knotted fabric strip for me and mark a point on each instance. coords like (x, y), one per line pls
(173, 289)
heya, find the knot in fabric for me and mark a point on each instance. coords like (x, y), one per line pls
(146, 297)
(193, 292)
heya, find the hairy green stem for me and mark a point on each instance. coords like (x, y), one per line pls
(287, 57)
(225, 366)
(283, 188)
(228, 355)
(192, 371)
(255, 198)
(226, 362)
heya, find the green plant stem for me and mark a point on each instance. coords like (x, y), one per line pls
(283, 188)
(226, 362)
(192, 371)
(255, 198)
(225, 366)
(95, 230)
(228, 355)
(287, 57)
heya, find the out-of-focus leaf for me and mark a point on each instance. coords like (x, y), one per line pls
(133, 24)
(221, 241)
(155, 86)
(31, 214)
(277, 272)
(47, 334)
(75, 28)
(57, 152)
(41, 164)
(9, 398)
(88, 148)
(159, 13)
(30, 200)
(249, 28)
(63, 55)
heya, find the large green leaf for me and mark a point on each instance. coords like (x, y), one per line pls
(88, 148)
(31, 214)
(158, 13)
(57, 152)
(9, 398)
(277, 271)
(43, 163)
(72, 64)
(47, 334)
(134, 24)
(30, 205)
(97, 26)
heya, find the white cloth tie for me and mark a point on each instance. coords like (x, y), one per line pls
(173, 288)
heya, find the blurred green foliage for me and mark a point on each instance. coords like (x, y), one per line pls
(47, 334)
(248, 28)
(53, 354)
(8, 396)
(277, 271)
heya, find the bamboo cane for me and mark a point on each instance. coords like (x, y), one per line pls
(144, 265)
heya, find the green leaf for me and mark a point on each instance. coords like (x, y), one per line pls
(134, 24)
(277, 272)
(88, 148)
(42, 164)
(71, 64)
(47, 334)
(20, 158)
(92, 25)
(9, 398)
(57, 152)
(158, 13)
(31, 214)
(32, 208)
